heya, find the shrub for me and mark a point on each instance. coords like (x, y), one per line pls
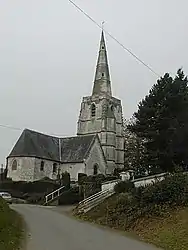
(70, 197)
(81, 178)
(35, 198)
(130, 204)
(173, 190)
(66, 180)
(124, 186)
(17, 189)
(11, 227)
(117, 172)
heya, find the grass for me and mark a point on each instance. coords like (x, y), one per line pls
(169, 232)
(11, 228)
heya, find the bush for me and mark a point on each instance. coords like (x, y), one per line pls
(173, 190)
(117, 172)
(123, 187)
(124, 209)
(35, 198)
(66, 180)
(81, 178)
(11, 228)
(17, 189)
(70, 197)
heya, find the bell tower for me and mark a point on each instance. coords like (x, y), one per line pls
(101, 113)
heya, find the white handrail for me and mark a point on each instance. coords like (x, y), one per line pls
(90, 198)
(94, 196)
(93, 200)
(52, 194)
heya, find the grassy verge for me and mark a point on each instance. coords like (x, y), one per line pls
(11, 228)
(157, 213)
(169, 232)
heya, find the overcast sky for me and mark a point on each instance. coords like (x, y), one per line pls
(48, 52)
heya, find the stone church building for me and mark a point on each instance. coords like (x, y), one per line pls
(97, 148)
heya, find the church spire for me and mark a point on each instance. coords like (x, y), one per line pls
(102, 83)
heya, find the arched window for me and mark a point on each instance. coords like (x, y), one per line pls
(95, 169)
(54, 168)
(42, 166)
(93, 110)
(14, 165)
(112, 108)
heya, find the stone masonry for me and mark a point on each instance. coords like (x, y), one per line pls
(102, 113)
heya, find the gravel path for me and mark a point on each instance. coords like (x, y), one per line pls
(50, 230)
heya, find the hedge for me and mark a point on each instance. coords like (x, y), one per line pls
(124, 186)
(32, 192)
(20, 187)
(124, 209)
(70, 197)
(11, 228)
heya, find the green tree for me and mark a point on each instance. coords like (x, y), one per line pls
(162, 123)
(133, 150)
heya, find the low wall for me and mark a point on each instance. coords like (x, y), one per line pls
(109, 185)
(148, 180)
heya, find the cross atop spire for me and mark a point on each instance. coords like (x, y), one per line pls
(102, 83)
(103, 25)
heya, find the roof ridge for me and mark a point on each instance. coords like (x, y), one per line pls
(58, 137)
(40, 133)
(76, 136)
(35, 144)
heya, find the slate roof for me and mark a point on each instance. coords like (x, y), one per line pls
(35, 144)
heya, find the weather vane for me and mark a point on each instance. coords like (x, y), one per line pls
(103, 25)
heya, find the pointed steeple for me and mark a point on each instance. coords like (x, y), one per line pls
(102, 83)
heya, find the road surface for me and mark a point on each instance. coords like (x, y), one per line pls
(51, 230)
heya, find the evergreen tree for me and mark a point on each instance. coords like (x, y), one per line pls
(162, 122)
(133, 150)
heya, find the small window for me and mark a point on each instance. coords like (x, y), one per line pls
(102, 47)
(93, 110)
(54, 168)
(95, 169)
(42, 166)
(112, 108)
(14, 165)
(102, 74)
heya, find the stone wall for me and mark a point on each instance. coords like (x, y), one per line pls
(29, 168)
(148, 180)
(73, 169)
(96, 156)
(108, 125)
(109, 185)
(24, 171)
(48, 169)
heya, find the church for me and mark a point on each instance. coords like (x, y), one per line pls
(97, 148)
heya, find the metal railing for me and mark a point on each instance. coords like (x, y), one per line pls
(56, 193)
(94, 200)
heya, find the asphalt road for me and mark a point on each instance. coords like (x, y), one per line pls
(51, 230)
